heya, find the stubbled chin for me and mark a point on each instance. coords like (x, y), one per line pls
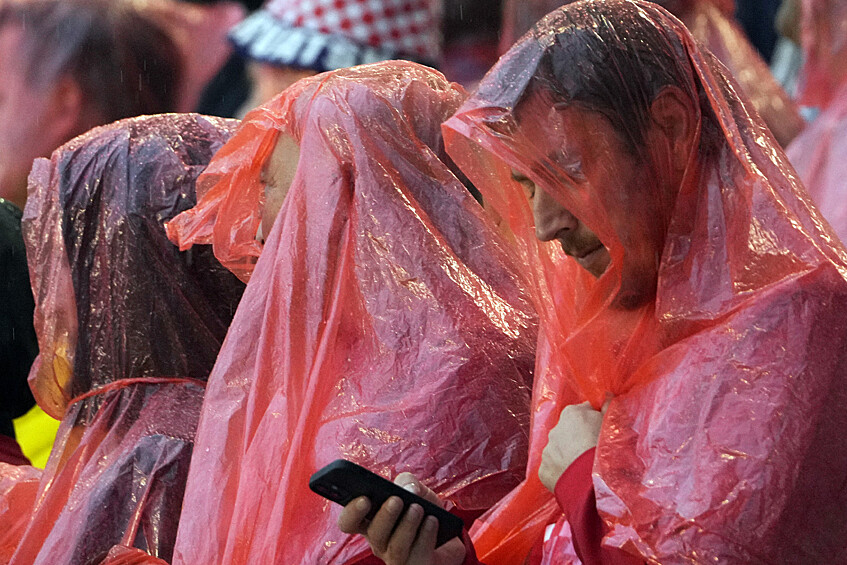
(596, 262)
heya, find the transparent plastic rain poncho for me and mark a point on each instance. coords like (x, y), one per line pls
(712, 23)
(820, 153)
(386, 322)
(18, 490)
(128, 328)
(725, 442)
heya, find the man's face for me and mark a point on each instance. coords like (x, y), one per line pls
(23, 127)
(605, 183)
(554, 222)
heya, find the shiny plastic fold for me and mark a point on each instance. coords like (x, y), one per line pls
(128, 329)
(18, 489)
(725, 441)
(386, 322)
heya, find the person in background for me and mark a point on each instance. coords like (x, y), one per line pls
(288, 39)
(70, 65)
(385, 321)
(67, 66)
(128, 329)
(689, 278)
(214, 79)
(713, 25)
(819, 154)
(18, 344)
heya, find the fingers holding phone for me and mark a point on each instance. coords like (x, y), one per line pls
(400, 538)
(401, 533)
(354, 517)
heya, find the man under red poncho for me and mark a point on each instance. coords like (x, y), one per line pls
(128, 329)
(712, 23)
(385, 322)
(712, 305)
(820, 153)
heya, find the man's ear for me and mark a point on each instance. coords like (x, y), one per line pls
(673, 113)
(64, 117)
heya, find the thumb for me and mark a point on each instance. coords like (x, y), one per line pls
(411, 483)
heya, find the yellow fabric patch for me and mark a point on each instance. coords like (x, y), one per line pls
(36, 432)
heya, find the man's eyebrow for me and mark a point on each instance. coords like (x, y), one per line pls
(517, 176)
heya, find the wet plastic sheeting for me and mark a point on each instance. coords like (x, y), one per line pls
(725, 443)
(127, 325)
(712, 23)
(18, 489)
(820, 153)
(387, 321)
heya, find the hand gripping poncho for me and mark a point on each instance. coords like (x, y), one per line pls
(820, 153)
(386, 322)
(128, 328)
(726, 441)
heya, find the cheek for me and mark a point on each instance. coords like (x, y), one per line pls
(21, 125)
(274, 198)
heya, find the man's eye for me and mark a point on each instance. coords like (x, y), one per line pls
(528, 188)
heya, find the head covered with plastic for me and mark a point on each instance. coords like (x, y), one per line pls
(625, 134)
(114, 298)
(393, 326)
(713, 25)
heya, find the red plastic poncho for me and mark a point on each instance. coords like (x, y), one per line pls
(128, 330)
(18, 491)
(725, 443)
(820, 153)
(712, 23)
(386, 322)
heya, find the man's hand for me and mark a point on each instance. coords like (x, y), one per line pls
(575, 433)
(413, 541)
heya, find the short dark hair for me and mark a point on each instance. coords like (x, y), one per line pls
(124, 64)
(616, 66)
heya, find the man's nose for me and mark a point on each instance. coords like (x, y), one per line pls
(550, 216)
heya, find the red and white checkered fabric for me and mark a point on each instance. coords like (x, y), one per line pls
(409, 27)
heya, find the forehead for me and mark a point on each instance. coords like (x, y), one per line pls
(571, 132)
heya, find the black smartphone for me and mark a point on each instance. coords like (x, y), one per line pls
(343, 481)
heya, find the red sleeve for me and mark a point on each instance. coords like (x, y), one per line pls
(575, 493)
(10, 452)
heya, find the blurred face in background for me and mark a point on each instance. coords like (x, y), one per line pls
(34, 120)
